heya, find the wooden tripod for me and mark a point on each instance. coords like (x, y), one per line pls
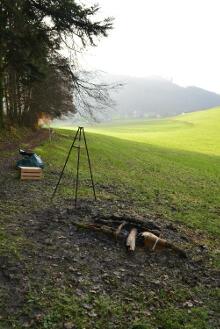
(80, 135)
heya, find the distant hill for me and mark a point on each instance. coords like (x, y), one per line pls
(155, 97)
(149, 98)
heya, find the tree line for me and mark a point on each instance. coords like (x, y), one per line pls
(35, 78)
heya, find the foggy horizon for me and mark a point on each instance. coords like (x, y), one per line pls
(174, 40)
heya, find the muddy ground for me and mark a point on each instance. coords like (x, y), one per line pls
(58, 254)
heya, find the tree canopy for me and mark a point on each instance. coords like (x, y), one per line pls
(32, 33)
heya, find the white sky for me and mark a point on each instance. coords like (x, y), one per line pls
(178, 39)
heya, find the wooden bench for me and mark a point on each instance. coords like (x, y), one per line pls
(31, 173)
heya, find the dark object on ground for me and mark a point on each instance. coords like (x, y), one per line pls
(30, 159)
(29, 153)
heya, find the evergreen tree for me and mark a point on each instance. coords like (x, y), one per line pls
(32, 32)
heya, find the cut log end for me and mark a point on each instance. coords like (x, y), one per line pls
(155, 243)
(131, 239)
(118, 231)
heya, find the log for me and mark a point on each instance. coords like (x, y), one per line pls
(152, 241)
(146, 239)
(131, 239)
(143, 223)
(118, 231)
(130, 223)
(105, 229)
(155, 243)
(177, 249)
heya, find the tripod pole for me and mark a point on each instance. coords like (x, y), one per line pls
(90, 166)
(61, 174)
(77, 168)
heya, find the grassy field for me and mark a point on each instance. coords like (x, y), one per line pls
(52, 276)
(196, 132)
(169, 166)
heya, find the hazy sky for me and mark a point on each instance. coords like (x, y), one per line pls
(178, 39)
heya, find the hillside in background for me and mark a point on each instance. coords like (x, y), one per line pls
(155, 97)
(140, 98)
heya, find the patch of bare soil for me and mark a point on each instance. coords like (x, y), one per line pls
(62, 255)
(31, 140)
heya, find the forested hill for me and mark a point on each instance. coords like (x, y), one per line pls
(141, 97)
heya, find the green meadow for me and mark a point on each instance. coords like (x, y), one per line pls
(169, 167)
(196, 132)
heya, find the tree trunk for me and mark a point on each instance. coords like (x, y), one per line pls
(2, 21)
(1, 104)
(1, 95)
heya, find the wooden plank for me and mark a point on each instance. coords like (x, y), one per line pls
(30, 169)
(31, 173)
(31, 178)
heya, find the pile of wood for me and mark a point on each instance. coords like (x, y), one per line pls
(133, 232)
(31, 173)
